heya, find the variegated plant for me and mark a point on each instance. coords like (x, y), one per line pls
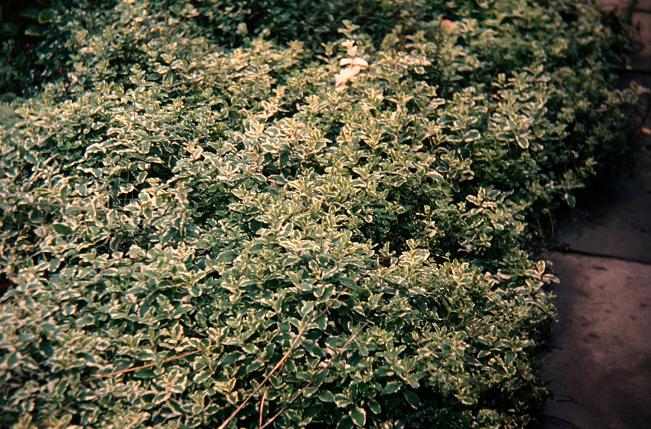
(199, 230)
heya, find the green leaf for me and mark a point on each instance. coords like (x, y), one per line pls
(345, 423)
(45, 16)
(522, 141)
(391, 387)
(201, 377)
(226, 256)
(375, 407)
(412, 398)
(570, 199)
(313, 410)
(472, 135)
(358, 415)
(30, 12)
(62, 228)
(34, 30)
(326, 396)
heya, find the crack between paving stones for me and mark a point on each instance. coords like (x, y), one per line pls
(569, 251)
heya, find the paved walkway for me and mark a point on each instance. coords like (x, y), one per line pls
(599, 369)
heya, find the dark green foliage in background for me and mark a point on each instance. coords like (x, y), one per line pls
(26, 18)
(22, 24)
(187, 197)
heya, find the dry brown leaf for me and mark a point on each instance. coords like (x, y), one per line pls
(448, 26)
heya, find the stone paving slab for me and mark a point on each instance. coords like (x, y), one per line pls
(642, 35)
(608, 5)
(615, 220)
(600, 365)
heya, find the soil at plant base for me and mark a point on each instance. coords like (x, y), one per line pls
(599, 367)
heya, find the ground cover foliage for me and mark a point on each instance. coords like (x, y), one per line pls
(193, 218)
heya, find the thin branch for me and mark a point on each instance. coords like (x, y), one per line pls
(323, 368)
(264, 396)
(276, 367)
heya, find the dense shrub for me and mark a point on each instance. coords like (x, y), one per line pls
(193, 218)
